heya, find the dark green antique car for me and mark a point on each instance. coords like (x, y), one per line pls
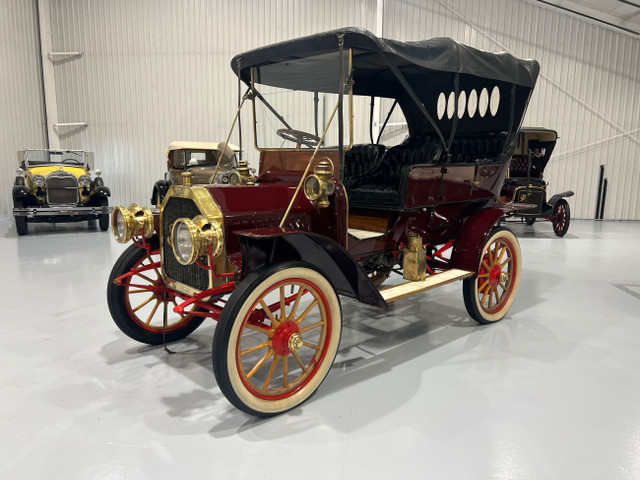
(525, 188)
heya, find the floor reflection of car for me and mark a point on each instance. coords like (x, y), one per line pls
(202, 159)
(332, 211)
(525, 188)
(57, 186)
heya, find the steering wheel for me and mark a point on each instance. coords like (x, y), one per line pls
(70, 160)
(299, 137)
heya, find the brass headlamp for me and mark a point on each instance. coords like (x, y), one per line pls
(318, 187)
(127, 222)
(242, 175)
(191, 238)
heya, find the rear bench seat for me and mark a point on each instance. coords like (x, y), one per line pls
(383, 184)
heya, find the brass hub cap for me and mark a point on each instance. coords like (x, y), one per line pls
(295, 342)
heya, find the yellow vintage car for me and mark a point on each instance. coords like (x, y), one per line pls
(57, 186)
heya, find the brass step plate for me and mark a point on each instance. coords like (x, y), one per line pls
(391, 294)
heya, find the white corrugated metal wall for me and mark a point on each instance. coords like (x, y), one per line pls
(155, 71)
(21, 106)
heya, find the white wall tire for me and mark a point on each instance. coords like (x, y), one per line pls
(489, 295)
(268, 362)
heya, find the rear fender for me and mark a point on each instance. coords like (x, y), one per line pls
(553, 200)
(260, 248)
(476, 230)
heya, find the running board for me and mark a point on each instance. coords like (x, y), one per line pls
(391, 294)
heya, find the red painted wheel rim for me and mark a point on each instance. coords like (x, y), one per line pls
(497, 274)
(151, 303)
(267, 365)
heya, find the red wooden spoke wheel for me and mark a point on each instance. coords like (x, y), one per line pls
(489, 295)
(138, 304)
(561, 218)
(276, 338)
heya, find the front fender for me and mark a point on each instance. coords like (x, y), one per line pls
(260, 248)
(553, 200)
(475, 232)
(20, 192)
(101, 192)
(160, 189)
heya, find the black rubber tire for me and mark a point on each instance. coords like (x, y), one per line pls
(470, 290)
(104, 220)
(21, 221)
(529, 220)
(229, 332)
(118, 304)
(562, 217)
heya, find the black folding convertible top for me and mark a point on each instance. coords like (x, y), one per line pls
(434, 55)
(414, 73)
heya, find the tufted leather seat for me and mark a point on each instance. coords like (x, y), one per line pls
(468, 148)
(359, 160)
(383, 184)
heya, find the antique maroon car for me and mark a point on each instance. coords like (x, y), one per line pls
(330, 216)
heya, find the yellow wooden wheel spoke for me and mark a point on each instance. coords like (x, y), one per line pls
(285, 372)
(271, 370)
(141, 275)
(282, 303)
(506, 262)
(264, 344)
(306, 312)
(257, 366)
(486, 282)
(144, 303)
(482, 275)
(495, 293)
(269, 313)
(311, 327)
(499, 258)
(153, 312)
(302, 365)
(296, 302)
(491, 298)
(486, 292)
(311, 345)
(255, 328)
(139, 290)
(486, 265)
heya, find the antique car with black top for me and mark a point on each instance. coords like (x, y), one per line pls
(57, 186)
(202, 159)
(525, 187)
(328, 216)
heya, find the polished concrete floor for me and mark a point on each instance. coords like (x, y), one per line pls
(420, 391)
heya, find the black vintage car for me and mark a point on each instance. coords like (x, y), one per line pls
(57, 186)
(525, 188)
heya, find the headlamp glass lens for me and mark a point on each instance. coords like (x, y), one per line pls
(120, 227)
(182, 242)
